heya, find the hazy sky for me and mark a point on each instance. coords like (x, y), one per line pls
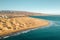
(44, 6)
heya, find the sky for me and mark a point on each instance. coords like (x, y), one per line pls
(39, 6)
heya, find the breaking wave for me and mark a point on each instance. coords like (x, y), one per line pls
(55, 23)
(52, 23)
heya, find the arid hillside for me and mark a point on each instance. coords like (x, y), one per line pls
(21, 13)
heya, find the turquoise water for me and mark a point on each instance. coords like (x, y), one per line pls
(52, 32)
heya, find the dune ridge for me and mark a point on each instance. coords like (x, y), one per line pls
(16, 24)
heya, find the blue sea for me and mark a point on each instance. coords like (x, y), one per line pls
(50, 32)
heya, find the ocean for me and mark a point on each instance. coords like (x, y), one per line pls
(51, 32)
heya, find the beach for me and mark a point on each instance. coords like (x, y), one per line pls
(17, 24)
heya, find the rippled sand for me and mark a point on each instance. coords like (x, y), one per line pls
(17, 24)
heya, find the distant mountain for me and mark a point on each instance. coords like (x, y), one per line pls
(21, 13)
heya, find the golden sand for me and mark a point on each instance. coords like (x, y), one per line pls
(12, 25)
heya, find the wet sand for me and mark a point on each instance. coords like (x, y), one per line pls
(13, 25)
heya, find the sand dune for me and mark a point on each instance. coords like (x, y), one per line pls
(16, 24)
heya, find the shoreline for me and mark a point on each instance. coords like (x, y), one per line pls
(31, 27)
